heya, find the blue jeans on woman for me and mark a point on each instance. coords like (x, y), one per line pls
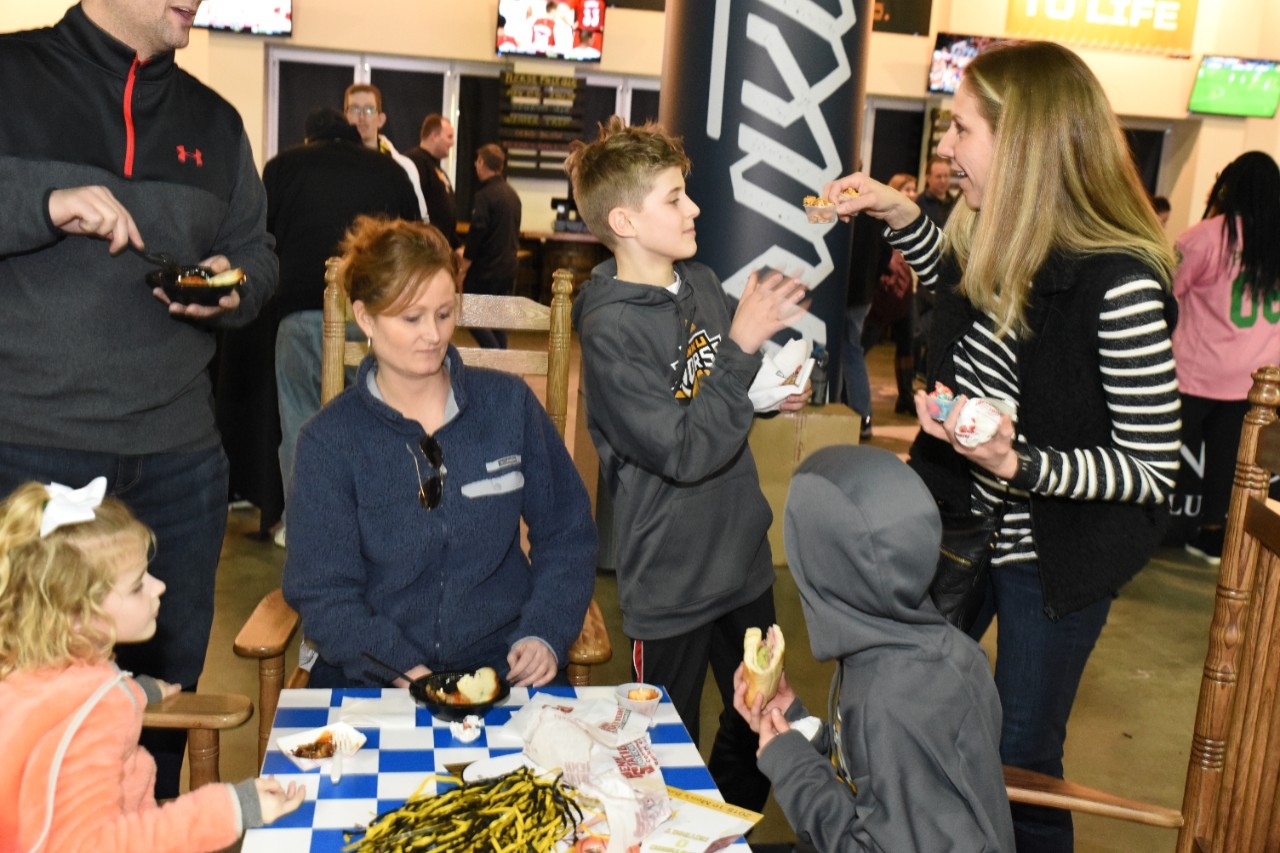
(1038, 667)
(182, 497)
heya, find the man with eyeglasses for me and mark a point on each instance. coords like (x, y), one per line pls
(362, 104)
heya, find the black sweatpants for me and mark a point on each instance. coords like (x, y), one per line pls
(680, 663)
(1217, 423)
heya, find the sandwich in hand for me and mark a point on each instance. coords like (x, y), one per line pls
(762, 663)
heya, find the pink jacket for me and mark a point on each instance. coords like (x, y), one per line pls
(100, 783)
(1222, 336)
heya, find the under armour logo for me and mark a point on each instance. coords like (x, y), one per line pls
(184, 155)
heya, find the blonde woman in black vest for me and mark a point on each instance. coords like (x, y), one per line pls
(1052, 293)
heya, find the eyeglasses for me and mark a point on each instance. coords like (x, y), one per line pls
(369, 111)
(430, 490)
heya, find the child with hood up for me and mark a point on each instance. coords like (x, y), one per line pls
(909, 756)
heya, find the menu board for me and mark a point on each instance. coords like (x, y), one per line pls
(539, 116)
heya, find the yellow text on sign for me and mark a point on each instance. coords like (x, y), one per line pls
(1143, 24)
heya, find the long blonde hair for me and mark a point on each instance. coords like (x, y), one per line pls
(1061, 180)
(52, 587)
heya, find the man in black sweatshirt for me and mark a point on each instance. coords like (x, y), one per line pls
(108, 145)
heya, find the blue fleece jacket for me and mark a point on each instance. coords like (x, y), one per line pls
(370, 570)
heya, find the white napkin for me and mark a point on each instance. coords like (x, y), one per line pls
(394, 710)
(782, 373)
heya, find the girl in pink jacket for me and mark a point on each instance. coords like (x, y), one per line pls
(73, 582)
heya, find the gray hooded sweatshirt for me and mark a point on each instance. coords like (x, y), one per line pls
(915, 718)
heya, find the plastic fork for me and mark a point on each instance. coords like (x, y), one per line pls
(160, 259)
(344, 743)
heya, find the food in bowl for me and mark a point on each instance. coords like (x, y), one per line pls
(819, 209)
(642, 694)
(474, 688)
(196, 285)
(454, 695)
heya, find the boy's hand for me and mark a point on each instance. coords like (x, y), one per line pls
(765, 308)
(754, 716)
(772, 724)
(275, 800)
(798, 401)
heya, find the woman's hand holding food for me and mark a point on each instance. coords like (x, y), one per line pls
(754, 716)
(532, 664)
(275, 800)
(871, 197)
(765, 309)
(996, 455)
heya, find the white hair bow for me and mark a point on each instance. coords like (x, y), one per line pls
(71, 506)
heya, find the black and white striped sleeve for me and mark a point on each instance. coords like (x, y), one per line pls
(1140, 465)
(921, 245)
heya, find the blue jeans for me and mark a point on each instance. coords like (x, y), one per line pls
(182, 497)
(298, 344)
(853, 361)
(1038, 667)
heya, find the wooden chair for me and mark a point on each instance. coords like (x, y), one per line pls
(270, 628)
(204, 716)
(1231, 800)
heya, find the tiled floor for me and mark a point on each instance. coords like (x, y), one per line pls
(1129, 734)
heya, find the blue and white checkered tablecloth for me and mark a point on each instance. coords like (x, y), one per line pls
(393, 763)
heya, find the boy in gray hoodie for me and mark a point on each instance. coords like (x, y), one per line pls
(909, 757)
(666, 363)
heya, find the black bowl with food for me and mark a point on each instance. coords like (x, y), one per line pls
(195, 285)
(451, 696)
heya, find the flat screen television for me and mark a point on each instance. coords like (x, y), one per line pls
(568, 29)
(1235, 86)
(256, 17)
(951, 53)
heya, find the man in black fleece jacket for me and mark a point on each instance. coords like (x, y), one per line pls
(314, 192)
(109, 145)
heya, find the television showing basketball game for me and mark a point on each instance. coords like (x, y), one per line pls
(255, 17)
(1235, 86)
(554, 29)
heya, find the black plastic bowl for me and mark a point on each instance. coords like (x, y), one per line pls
(430, 690)
(167, 278)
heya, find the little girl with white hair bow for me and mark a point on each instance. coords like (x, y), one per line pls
(73, 583)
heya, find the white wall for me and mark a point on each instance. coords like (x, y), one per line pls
(1140, 86)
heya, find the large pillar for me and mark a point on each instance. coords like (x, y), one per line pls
(768, 95)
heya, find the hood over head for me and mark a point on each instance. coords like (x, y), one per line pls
(862, 534)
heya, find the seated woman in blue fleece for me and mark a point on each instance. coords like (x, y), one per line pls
(408, 490)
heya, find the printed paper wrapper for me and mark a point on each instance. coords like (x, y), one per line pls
(605, 752)
(782, 373)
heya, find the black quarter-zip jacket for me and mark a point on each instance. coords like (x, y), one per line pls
(92, 360)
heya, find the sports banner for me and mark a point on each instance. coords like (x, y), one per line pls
(768, 95)
(1156, 25)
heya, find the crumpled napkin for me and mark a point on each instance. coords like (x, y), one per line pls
(782, 373)
(395, 710)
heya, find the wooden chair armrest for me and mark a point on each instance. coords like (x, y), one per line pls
(592, 646)
(198, 711)
(1027, 786)
(269, 629)
(203, 716)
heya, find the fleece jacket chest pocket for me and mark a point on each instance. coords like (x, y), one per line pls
(505, 478)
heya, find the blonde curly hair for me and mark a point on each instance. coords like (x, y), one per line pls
(52, 588)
